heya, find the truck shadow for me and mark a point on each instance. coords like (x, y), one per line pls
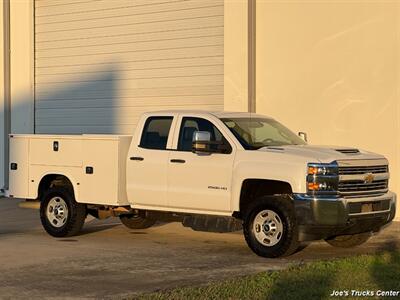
(291, 284)
(93, 226)
(385, 268)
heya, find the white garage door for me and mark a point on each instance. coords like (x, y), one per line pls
(99, 64)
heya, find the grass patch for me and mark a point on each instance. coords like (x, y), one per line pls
(316, 280)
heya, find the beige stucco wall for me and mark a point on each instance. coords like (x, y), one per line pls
(235, 55)
(330, 68)
(21, 75)
(22, 62)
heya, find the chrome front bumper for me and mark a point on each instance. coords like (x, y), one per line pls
(320, 217)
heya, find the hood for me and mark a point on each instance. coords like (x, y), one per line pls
(323, 154)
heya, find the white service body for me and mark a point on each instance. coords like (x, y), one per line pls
(36, 157)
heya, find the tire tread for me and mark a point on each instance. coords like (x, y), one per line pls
(284, 206)
(76, 213)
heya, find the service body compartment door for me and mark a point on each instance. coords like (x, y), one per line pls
(99, 184)
(56, 151)
(19, 167)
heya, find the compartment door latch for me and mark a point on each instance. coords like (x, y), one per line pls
(89, 170)
(55, 146)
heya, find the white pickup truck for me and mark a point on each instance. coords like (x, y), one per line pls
(216, 171)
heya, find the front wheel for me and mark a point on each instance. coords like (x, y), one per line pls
(270, 227)
(349, 241)
(60, 214)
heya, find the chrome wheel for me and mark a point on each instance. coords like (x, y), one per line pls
(268, 228)
(57, 212)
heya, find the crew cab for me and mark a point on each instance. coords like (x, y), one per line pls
(216, 171)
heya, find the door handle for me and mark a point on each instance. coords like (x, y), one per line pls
(178, 161)
(137, 158)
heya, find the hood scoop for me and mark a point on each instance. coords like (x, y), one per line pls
(348, 151)
(275, 148)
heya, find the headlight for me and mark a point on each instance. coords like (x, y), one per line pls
(322, 178)
(322, 169)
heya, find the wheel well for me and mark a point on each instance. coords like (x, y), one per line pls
(52, 180)
(254, 188)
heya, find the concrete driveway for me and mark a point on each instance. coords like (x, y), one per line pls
(109, 261)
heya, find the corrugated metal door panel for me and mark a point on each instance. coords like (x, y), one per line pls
(133, 47)
(129, 30)
(131, 65)
(105, 103)
(109, 10)
(100, 64)
(136, 74)
(141, 93)
(61, 7)
(135, 37)
(113, 59)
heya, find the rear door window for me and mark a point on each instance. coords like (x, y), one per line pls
(155, 133)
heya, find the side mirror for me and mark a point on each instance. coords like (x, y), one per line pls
(202, 144)
(303, 136)
(201, 141)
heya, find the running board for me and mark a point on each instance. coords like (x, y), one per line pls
(212, 223)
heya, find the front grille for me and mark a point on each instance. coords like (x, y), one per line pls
(363, 178)
(360, 186)
(363, 170)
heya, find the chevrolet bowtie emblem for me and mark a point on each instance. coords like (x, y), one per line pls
(369, 178)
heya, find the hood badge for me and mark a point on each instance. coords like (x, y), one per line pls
(369, 178)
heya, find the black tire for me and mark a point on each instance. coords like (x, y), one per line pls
(281, 206)
(75, 218)
(139, 220)
(349, 241)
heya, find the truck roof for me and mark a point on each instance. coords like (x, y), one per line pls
(218, 114)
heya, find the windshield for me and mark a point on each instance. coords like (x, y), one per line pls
(255, 133)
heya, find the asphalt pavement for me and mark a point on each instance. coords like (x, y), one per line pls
(108, 260)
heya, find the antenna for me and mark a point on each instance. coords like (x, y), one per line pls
(251, 56)
(251, 48)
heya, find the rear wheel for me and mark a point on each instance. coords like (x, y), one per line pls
(60, 214)
(138, 220)
(270, 227)
(349, 241)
